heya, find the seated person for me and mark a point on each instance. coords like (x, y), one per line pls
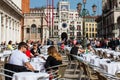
(75, 50)
(89, 48)
(54, 58)
(35, 50)
(28, 53)
(9, 46)
(62, 46)
(19, 57)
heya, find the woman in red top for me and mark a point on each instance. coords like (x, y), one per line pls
(28, 53)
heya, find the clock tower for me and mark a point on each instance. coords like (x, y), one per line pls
(63, 11)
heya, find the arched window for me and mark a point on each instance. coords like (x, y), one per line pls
(78, 27)
(33, 28)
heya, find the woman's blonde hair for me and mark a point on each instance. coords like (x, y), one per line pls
(52, 51)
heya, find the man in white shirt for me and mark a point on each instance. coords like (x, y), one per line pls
(19, 57)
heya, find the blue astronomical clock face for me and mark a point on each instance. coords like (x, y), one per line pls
(64, 25)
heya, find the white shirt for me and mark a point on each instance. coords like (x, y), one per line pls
(18, 58)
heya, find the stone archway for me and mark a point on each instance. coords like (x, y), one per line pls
(33, 28)
(33, 34)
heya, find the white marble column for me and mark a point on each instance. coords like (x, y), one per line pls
(12, 29)
(16, 36)
(9, 25)
(7, 32)
(0, 28)
(4, 28)
(19, 32)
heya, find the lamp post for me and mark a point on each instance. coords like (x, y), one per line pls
(83, 13)
(68, 32)
(94, 7)
(72, 28)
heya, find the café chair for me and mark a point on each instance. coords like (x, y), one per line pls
(59, 73)
(117, 73)
(101, 76)
(2, 74)
(99, 53)
(105, 55)
(14, 68)
(76, 63)
(90, 73)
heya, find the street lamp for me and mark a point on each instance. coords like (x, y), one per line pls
(73, 28)
(82, 13)
(94, 7)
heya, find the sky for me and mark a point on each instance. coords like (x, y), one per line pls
(73, 4)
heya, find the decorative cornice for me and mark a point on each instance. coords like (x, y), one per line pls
(13, 6)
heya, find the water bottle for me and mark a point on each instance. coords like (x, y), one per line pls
(86, 51)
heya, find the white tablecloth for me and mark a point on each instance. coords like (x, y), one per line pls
(68, 48)
(38, 64)
(30, 76)
(108, 51)
(44, 49)
(110, 68)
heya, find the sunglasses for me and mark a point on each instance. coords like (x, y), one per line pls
(25, 47)
(34, 45)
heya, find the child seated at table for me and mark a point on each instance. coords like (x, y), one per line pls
(89, 49)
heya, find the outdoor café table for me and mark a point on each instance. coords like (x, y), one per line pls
(44, 49)
(1, 54)
(110, 67)
(44, 55)
(116, 53)
(87, 57)
(38, 64)
(30, 76)
(91, 58)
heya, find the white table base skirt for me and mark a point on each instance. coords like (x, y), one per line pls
(30, 76)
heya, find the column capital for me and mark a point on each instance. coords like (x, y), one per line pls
(1, 12)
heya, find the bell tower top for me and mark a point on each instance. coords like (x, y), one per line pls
(25, 6)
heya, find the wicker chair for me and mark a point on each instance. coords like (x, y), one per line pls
(105, 55)
(90, 72)
(70, 61)
(101, 76)
(117, 73)
(58, 74)
(2, 74)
